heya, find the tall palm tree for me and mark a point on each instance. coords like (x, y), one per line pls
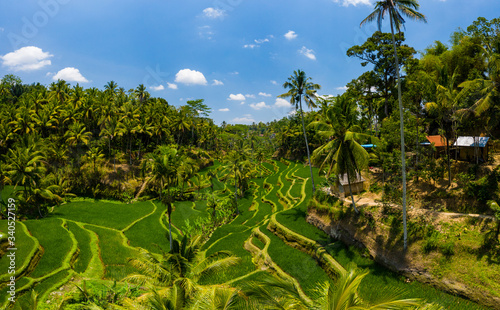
(163, 165)
(299, 86)
(342, 153)
(395, 9)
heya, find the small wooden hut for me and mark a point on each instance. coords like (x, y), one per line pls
(357, 185)
(472, 148)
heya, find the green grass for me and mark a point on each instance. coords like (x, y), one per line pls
(42, 288)
(114, 253)
(185, 211)
(381, 280)
(106, 214)
(83, 239)
(25, 247)
(294, 219)
(55, 241)
(296, 263)
(234, 243)
(148, 233)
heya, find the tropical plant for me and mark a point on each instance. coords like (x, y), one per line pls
(182, 269)
(341, 153)
(299, 86)
(396, 9)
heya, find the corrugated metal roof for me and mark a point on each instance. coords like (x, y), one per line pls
(437, 140)
(472, 141)
(343, 179)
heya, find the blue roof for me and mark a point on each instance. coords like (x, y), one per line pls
(471, 141)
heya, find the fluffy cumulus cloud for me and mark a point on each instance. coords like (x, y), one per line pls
(282, 103)
(190, 77)
(224, 110)
(213, 13)
(264, 94)
(307, 52)
(70, 74)
(260, 105)
(172, 85)
(217, 83)
(157, 88)
(246, 119)
(353, 2)
(238, 97)
(27, 58)
(341, 88)
(290, 35)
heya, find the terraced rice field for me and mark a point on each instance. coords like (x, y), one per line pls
(95, 239)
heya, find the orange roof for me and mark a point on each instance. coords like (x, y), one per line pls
(437, 140)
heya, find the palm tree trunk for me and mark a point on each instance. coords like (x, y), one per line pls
(401, 119)
(307, 145)
(352, 195)
(449, 165)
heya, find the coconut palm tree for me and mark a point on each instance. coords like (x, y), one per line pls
(396, 9)
(275, 293)
(299, 86)
(182, 269)
(341, 153)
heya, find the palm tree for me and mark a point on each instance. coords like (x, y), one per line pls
(342, 154)
(299, 86)
(395, 9)
(275, 293)
(344, 295)
(183, 268)
(444, 107)
(163, 165)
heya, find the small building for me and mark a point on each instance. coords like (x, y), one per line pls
(439, 143)
(470, 148)
(356, 184)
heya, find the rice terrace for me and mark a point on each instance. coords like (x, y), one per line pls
(370, 182)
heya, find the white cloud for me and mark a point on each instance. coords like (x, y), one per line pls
(282, 103)
(157, 88)
(217, 83)
(290, 35)
(206, 32)
(190, 77)
(234, 73)
(260, 41)
(246, 119)
(27, 58)
(224, 110)
(250, 46)
(342, 88)
(260, 105)
(308, 53)
(172, 85)
(274, 82)
(213, 13)
(70, 74)
(238, 97)
(264, 94)
(250, 96)
(354, 2)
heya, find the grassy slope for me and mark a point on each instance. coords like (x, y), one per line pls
(286, 190)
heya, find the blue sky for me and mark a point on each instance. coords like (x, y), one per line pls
(235, 54)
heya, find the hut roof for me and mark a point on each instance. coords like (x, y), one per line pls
(437, 140)
(343, 179)
(471, 141)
